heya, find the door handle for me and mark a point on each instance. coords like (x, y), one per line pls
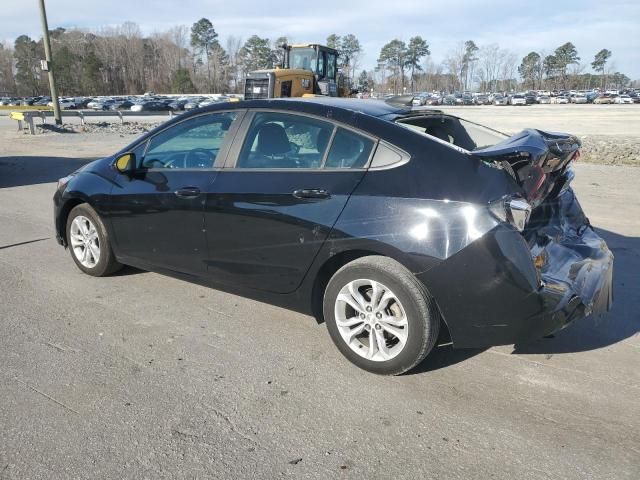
(311, 193)
(187, 192)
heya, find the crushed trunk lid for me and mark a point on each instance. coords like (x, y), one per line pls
(536, 159)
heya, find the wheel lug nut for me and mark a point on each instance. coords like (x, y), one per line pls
(378, 315)
(368, 309)
(362, 315)
(378, 327)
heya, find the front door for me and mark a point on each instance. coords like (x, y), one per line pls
(157, 212)
(268, 214)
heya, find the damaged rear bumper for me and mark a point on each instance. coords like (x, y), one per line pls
(508, 287)
(575, 264)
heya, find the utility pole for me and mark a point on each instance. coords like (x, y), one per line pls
(48, 64)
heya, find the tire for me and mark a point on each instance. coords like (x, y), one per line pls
(402, 300)
(81, 238)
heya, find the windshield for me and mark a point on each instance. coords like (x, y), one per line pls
(303, 58)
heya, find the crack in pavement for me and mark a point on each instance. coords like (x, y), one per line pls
(2, 247)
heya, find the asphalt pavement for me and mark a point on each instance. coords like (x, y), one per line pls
(144, 376)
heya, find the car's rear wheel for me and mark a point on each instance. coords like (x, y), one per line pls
(89, 243)
(380, 316)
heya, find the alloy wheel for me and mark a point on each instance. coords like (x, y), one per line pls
(85, 241)
(371, 320)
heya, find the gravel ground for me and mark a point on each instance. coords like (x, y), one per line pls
(610, 136)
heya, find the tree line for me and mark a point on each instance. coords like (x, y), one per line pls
(407, 67)
(121, 60)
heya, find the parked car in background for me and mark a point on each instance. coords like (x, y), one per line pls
(449, 100)
(483, 99)
(82, 102)
(623, 99)
(207, 101)
(517, 99)
(178, 104)
(434, 100)
(193, 103)
(499, 99)
(544, 99)
(65, 104)
(468, 99)
(103, 104)
(43, 101)
(530, 98)
(151, 105)
(591, 96)
(562, 99)
(605, 98)
(121, 105)
(579, 98)
(419, 99)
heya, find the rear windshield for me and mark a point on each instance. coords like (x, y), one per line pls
(453, 130)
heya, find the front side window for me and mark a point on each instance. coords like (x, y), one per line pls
(282, 140)
(194, 143)
(349, 150)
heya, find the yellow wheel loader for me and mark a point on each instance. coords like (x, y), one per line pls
(309, 69)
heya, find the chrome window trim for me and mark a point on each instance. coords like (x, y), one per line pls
(328, 148)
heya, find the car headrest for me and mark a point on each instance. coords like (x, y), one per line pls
(273, 140)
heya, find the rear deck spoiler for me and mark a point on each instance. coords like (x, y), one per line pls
(534, 158)
(400, 100)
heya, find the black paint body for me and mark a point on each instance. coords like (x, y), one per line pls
(246, 233)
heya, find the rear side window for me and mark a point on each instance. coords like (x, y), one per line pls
(282, 140)
(349, 150)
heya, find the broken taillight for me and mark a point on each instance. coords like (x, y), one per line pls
(513, 210)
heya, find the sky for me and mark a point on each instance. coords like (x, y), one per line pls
(519, 26)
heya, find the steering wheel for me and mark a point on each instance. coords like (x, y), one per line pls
(199, 158)
(156, 163)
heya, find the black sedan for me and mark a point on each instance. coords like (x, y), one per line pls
(394, 227)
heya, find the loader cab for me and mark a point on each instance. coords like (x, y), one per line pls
(320, 60)
(309, 69)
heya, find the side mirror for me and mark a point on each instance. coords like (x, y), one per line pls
(126, 163)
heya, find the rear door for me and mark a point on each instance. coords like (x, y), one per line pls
(269, 211)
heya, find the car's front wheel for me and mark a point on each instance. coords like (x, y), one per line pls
(380, 316)
(89, 243)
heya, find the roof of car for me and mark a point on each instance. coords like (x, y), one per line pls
(375, 108)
